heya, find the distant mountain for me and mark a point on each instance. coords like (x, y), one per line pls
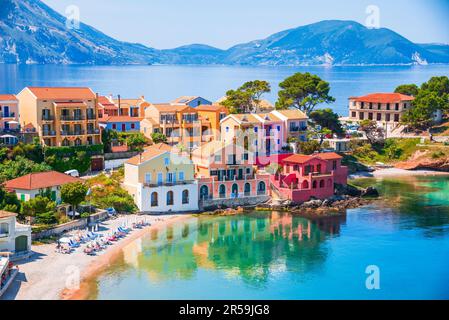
(334, 42)
(32, 32)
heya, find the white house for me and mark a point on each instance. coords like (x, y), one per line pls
(161, 179)
(34, 184)
(14, 237)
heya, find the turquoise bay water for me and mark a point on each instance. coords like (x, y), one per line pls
(269, 255)
(165, 83)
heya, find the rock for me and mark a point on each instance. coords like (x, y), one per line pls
(313, 204)
(370, 192)
(348, 189)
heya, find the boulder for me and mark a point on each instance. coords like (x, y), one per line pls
(370, 192)
(348, 190)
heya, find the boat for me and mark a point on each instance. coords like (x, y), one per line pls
(7, 274)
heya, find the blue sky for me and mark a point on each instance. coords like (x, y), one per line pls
(171, 23)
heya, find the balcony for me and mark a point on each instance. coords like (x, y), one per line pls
(7, 115)
(73, 133)
(48, 118)
(72, 118)
(93, 131)
(48, 133)
(169, 184)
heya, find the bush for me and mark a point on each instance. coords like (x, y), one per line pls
(309, 147)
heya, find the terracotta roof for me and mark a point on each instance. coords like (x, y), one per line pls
(293, 114)
(120, 119)
(6, 214)
(62, 93)
(245, 118)
(213, 107)
(29, 126)
(40, 180)
(103, 100)
(71, 104)
(163, 107)
(7, 97)
(329, 156)
(302, 158)
(268, 117)
(383, 98)
(298, 158)
(149, 153)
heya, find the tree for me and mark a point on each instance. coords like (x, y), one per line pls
(136, 141)
(439, 85)
(328, 119)
(246, 99)
(309, 147)
(11, 169)
(158, 137)
(74, 193)
(420, 116)
(303, 91)
(42, 208)
(408, 89)
(9, 201)
(374, 133)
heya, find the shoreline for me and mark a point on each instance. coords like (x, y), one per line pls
(96, 267)
(395, 172)
(44, 276)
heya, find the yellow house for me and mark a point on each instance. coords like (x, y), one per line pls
(62, 116)
(214, 114)
(161, 179)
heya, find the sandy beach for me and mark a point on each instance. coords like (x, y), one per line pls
(395, 172)
(49, 275)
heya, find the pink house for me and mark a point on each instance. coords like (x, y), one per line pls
(304, 177)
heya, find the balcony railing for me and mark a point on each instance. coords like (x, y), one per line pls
(72, 118)
(168, 184)
(49, 133)
(72, 133)
(7, 115)
(93, 131)
(48, 117)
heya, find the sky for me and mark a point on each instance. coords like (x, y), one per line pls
(223, 23)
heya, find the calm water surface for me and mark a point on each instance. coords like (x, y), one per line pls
(165, 83)
(269, 255)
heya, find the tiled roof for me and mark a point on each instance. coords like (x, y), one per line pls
(207, 107)
(163, 107)
(383, 98)
(245, 118)
(40, 180)
(149, 153)
(62, 93)
(329, 156)
(105, 101)
(293, 114)
(119, 119)
(7, 97)
(268, 117)
(6, 214)
(71, 104)
(302, 158)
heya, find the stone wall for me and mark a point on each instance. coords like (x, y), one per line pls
(72, 225)
(232, 203)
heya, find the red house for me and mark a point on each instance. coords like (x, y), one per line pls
(303, 177)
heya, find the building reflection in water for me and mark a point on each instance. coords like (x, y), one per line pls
(253, 246)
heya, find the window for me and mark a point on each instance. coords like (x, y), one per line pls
(227, 129)
(314, 185)
(114, 126)
(396, 118)
(147, 178)
(154, 200)
(169, 177)
(379, 116)
(279, 128)
(397, 106)
(256, 129)
(248, 170)
(160, 178)
(279, 141)
(261, 188)
(247, 189)
(133, 125)
(185, 197)
(222, 191)
(388, 106)
(4, 229)
(22, 197)
(166, 161)
(334, 165)
(321, 183)
(379, 106)
(354, 114)
(361, 115)
(245, 157)
(170, 198)
(217, 158)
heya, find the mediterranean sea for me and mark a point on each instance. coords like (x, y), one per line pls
(165, 83)
(404, 238)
